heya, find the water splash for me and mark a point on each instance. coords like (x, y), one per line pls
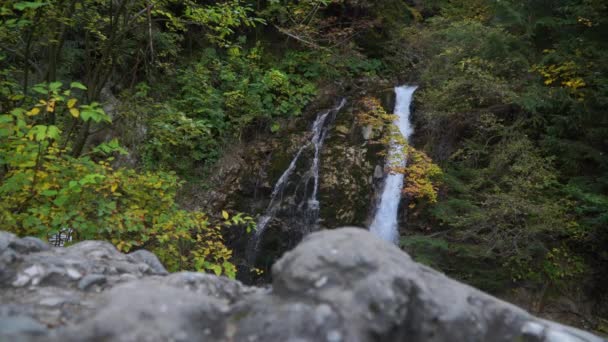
(384, 223)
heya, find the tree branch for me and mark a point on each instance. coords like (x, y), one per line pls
(298, 38)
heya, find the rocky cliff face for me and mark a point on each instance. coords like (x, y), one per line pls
(245, 177)
(339, 285)
(351, 177)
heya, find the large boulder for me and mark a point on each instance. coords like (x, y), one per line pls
(337, 285)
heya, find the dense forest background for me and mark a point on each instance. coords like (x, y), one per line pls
(110, 107)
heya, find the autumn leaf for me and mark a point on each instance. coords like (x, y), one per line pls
(71, 103)
(33, 111)
(50, 106)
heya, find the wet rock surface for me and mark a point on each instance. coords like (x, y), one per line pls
(338, 285)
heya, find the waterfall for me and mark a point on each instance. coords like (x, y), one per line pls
(309, 207)
(320, 132)
(384, 223)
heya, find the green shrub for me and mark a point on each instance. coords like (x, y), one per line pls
(43, 189)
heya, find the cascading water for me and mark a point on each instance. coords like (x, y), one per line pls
(309, 207)
(320, 131)
(384, 223)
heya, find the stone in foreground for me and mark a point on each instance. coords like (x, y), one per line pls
(337, 285)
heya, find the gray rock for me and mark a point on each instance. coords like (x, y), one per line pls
(30, 262)
(210, 285)
(381, 294)
(367, 132)
(6, 239)
(29, 245)
(145, 310)
(90, 280)
(20, 328)
(149, 259)
(338, 285)
(378, 172)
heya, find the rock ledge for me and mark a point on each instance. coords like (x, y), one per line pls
(337, 285)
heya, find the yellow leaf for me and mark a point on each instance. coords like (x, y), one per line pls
(71, 103)
(113, 187)
(225, 214)
(75, 112)
(33, 112)
(50, 106)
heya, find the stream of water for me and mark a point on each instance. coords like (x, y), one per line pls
(309, 207)
(384, 223)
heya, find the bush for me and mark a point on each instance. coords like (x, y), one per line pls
(44, 190)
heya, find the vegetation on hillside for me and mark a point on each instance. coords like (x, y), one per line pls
(513, 108)
(108, 106)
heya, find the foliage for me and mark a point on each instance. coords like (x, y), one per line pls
(44, 190)
(512, 95)
(308, 23)
(422, 176)
(222, 19)
(243, 86)
(219, 97)
(511, 120)
(224, 93)
(372, 113)
(463, 260)
(192, 77)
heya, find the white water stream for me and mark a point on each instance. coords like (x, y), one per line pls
(310, 205)
(384, 223)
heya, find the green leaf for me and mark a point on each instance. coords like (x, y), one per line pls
(18, 111)
(53, 132)
(54, 86)
(229, 269)
(60, 200)
(42, 132)
(91, 179)
(78, 85)
(28, 4)
(275, 127)
(37, 133)
(40, 88)
(217, 269)
(95, 114)
(49, 193)
(87, 114)
(4, 119)
(110, 147)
